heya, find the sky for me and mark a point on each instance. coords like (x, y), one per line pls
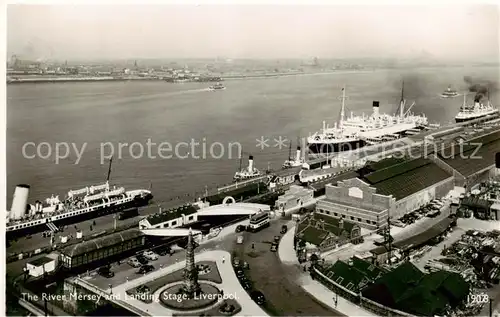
(463, 32)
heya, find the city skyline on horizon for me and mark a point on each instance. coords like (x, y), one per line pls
(84, 32)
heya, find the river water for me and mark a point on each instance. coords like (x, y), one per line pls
(103, 115)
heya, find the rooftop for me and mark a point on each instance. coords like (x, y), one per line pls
(419, 239)
(394, 176)
(41, 261)
(481, 150)
(317, 227)
(171, 214)
(101, 242)
(353, 275)
(404, 178)
(244, 191)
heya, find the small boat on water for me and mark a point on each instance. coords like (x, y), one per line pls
(217, 86)
(449, 93)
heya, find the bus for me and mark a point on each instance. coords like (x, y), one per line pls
(259, 221)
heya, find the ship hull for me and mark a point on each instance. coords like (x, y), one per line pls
(137, 202)
(325, 148)
(460, 120)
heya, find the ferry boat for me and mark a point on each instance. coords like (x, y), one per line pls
(357, 131)
(248, 172)
(296, 161)
(79, 205)
(449, 93)
(475, 111)
(217, 86)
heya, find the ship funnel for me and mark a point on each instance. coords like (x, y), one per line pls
(297, 156)
(19, 202)
(250, 164)
(375, 108)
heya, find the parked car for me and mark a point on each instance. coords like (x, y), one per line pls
(236, 262)
(240, 274)
(145, 269)
(142, 259)
(274, 247)
(246, 284)
(164, 250)
(133, 262)
(284, 229)
(239, 240)
(258, 297)
(105, 271)
(241, 228)
(150, 255)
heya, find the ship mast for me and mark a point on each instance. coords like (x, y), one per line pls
(402, 102)
(109, 169)
(342, 109)
(290, 151)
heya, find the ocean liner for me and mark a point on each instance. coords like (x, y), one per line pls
(357, 131)
(82, 204)
(475, 111)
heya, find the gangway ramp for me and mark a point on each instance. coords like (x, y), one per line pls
(169, 232)
(233, 208)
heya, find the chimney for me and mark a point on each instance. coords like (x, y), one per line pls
(19, 202)
(297, 156)
(341, 223)
(375, 108)
(250, 164)
(476, 101)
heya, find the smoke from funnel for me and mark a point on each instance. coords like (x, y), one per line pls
(480, 87)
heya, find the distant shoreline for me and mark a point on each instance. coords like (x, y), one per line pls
(36, 79)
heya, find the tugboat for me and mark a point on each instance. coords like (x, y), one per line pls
(294, 161)
(247, 173)
(217, 86)
(449, 93)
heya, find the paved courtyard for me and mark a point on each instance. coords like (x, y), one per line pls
(230, 285)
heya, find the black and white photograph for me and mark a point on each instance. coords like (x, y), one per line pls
(252, 159)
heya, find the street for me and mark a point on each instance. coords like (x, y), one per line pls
(277, 281)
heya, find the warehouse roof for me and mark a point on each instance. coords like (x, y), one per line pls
(406, 177)
(419, 239)
(244, 192)
(473, 156)
(171, 214)
(101, 242)
(334, 180)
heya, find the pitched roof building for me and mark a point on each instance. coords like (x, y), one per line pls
(408, 289)
(391, 187)
(326, 232)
